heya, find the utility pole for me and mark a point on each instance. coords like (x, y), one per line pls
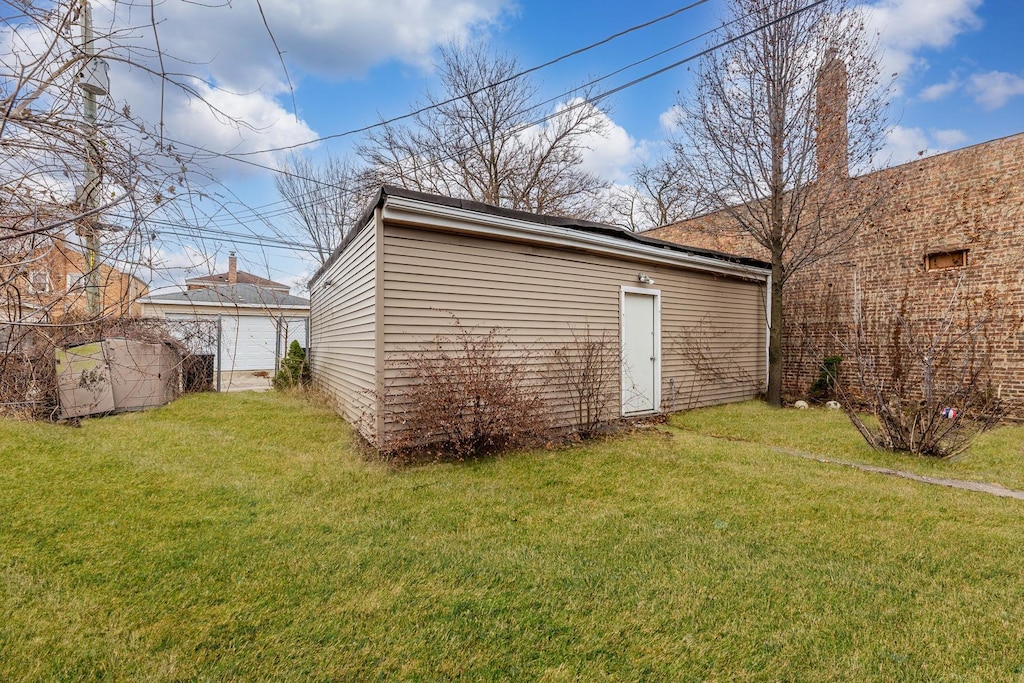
(93, 83)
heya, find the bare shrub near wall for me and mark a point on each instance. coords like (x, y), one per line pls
(926, 381)
(588, 367)
(468, 394)
(704, 349)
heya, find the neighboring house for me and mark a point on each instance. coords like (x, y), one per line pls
(688, 324)
(44, 280)
(235, 277)
(951, 231)
(257, 317)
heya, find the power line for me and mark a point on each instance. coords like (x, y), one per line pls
(285, 210)
(586, 102)
(249, 242)
(169, 227)
(463, 96)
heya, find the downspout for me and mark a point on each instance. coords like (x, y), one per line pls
(768, 329)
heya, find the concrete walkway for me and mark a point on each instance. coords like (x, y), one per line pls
(980, 487)
(244, 381)
(962, 484)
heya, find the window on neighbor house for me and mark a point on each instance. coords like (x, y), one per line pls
(38, 282)
(75, 281)
(941, 260)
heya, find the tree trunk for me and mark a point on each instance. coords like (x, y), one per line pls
(778, 228)
(774, 397)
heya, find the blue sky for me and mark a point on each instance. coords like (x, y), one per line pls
(960, 62)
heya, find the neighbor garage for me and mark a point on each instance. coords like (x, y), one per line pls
(253, 326)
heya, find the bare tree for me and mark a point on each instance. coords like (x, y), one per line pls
(327, 199)
(588, 368)
(77, 166)
(80, 175)
(486, 137)
(780, 116)
(699, 347)
(461, 395)
(660, 194)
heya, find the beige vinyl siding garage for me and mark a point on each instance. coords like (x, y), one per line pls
(343, 356)
(539, 296)
(424, 265)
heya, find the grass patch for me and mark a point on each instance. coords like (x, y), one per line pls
(240, 537)
(995, 457)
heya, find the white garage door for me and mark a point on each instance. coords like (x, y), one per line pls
(248, 342)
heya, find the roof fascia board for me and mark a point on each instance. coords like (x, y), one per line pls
(452, 219)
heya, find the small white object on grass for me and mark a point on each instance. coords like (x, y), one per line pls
(801, 405)
(833, 405)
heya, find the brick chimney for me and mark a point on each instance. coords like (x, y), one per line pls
(232, 269)
(832, 99)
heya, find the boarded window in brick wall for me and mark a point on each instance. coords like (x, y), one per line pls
(941, 260)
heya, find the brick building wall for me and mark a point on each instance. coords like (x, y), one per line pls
(952, 230)
(52, 279)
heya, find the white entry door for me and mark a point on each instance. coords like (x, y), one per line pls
(641, 351)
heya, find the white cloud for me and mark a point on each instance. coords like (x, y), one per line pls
(994, 89)
(216, 120)
(908, 26)
(235, 73)
(670, 118)
(991, 89)
(266, 122)
(939, 91)
(950, 138)
(907, 144)
(611, 155)
(325, 37)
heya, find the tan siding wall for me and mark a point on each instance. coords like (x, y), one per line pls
(342, 329)
(539, 295)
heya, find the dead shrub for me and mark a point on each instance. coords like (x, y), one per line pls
(925, 380)
(461, 396)
(588, 368)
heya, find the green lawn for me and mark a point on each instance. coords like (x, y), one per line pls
(996, 457)
(240, 537)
